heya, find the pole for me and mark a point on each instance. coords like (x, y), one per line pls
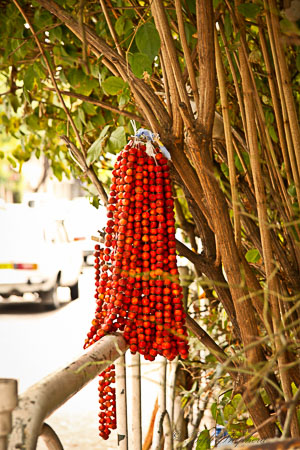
(8, 401)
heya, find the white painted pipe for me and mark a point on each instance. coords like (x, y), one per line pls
(121, 403)
(43, 398)
(168, 432)
(8, 401)
(50, 438)
(136, 441)
(158, 428)
(171, 388)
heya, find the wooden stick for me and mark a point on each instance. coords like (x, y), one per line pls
(149, 437)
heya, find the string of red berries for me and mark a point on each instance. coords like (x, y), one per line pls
(137, 281)
(107, 402)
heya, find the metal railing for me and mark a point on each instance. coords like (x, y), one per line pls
(23, 420)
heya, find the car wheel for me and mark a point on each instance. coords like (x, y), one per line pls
(50, 298)
(74, 291)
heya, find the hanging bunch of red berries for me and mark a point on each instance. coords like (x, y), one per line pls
(107, 402)
(136, 275)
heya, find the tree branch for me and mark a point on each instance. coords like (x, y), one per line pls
(89, 171)
(110, 26)
(206, 55)
(50, 71)
(186, 52)
(145, 94)
(103, 105)
(163, 28)
(209, 343)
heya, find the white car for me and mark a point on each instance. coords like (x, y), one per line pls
(83, 221)
(36, 255)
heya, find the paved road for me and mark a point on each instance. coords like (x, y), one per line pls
(34, 343)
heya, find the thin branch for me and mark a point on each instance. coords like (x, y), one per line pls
(89, 171)
(6, 93)
(229, 144)
(271, 277)
(163, 28)
(186, 51)
(289, 417)
(209, 343)
(47, 28)
(275, 101)
(271, 7)
(206, 56)
(166, 87)
(234, 76)
(110, 26)
(51, 75)
(84, 46)
(199, 261)
(103, 105)
(152, 107)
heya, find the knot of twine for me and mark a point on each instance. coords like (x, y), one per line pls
(142, 135)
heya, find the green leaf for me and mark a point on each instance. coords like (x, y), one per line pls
(40, 73)
(216, 3)
(189, 31)
(237, 401)
(33, 122)
(12, 161)
(81, 115)
(95, 149)
(214, 409)
(119, 26)
(227, 25)
(269, 116)
(57, 171)
(117, 139)
(78, 124)
(292, 190)
(42, 18)
(147, 40)
(61, 128)
(113, 85)
(29, 78)
(225, 169)
(298, 61)
(191, 5)
(14, 102)
(203, 441)
(249, 422)
(123, 99)
(249, 10)
(238, 164)
(273, 133)
(140, 63)
(253, 255)
(55, 34)
(80, 82)
(89, 109)
(228, 412)
(95, 201)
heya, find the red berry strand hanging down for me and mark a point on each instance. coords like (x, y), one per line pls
(136, 275)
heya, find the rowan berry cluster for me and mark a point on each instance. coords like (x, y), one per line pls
(136, 275)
